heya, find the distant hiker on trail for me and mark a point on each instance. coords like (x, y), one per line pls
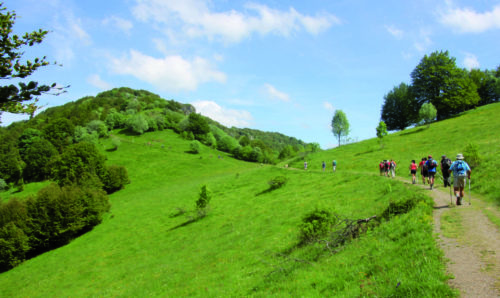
(381, 166)
(305, 165)
(413, 171)
(423, 169)
(460, 170)
(334, 165)
(445, 166)
(323, 165)
(392, 168)
(386, 168)
(431, 168)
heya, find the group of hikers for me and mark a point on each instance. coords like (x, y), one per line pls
(388, 168)
(428, 169)
(323, 165)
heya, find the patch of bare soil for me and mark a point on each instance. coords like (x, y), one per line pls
(474, 258)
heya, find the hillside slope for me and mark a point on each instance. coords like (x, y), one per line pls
(247, 244)
(479, 127)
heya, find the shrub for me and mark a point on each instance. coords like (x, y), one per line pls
(13, 246)
(472, 156)
(316, 224)
(59, 214)
(203, 198)
(115, 179)
(79, 162)
(401, 206)
(99, 127)
(194, 147)
(3, 185)
(115, 142)
(138, 124)
(38, 157)
(277, 182)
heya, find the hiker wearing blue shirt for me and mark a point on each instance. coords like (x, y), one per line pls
(460, 170)
(431, 165)
(323, 165)
(334, 165)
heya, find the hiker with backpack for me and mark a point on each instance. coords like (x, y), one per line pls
(386, 168)
(431, 168)
(323, 165)
(445, 166)
(381, 166)
(423, 169)
(392, 168)
(413, 171)
(334, 165)
(460, 170)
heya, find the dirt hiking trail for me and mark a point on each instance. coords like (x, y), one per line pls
(474, 255)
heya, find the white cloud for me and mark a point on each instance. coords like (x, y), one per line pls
(170, 73)
(470, 61)
(227, 117)
(397, 33)
(68, 34)
(328, 106)
(423, 41)
(96, 81)
(121, 24)
(466, 20)
(195, 19)
(275, 94)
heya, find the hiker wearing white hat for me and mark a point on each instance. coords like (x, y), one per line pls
(460, 170)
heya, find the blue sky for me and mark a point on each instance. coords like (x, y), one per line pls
(282, 66)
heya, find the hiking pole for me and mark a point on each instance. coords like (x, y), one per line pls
(469, 191)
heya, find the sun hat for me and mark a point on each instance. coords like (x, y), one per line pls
(460, 156)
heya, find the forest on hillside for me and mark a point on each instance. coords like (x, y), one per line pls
(439, 82)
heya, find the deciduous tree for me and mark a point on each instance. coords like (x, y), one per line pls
(340, 125)
(400, 108)
(437, 80)
(21, 98)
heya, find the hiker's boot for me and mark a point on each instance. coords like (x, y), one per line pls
(459, 201)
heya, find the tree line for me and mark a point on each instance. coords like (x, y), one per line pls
(438, 81)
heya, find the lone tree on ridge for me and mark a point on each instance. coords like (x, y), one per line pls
(340, 125)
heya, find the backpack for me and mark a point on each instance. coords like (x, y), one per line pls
(460, 167)
(381, 165)
(445, 164)
(393, 165)
(431, 164)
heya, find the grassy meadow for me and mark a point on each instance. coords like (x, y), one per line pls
(247, 245)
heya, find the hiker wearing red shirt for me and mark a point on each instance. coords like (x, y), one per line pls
(413, 171)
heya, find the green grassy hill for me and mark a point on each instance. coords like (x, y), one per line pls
(479, 127)
(248, 244)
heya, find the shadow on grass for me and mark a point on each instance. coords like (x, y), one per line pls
(268, 190)
(368, 151)
(188, 222)
(413, 131)
(128, 132)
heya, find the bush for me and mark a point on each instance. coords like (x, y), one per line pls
(59, 214)
(3, 185)
(195, 147)
(13, 246)
(401, 206)
(203, 198)
(115, 179)
(81, 162)
(277, 182)
(316, 224)
(472, 156)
